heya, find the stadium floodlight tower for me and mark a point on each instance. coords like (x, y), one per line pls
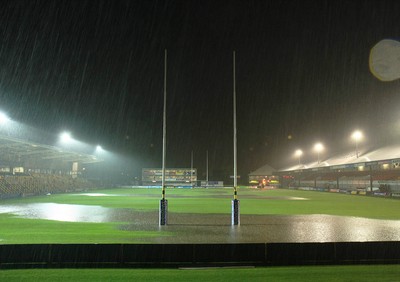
(318, 147)
(298, 153)
(357, 136)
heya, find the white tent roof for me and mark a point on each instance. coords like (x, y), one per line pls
(264, 170)
(381, 154)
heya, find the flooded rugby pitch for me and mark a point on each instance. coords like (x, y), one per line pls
(216, 228)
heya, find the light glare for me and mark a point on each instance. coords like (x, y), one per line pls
(66, 137)
(3, 118)
(298, 153)
(357, 135)
(318, 147)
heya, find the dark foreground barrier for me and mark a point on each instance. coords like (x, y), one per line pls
(197, 255)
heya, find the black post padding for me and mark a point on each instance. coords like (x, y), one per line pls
(235, 212)
(163, 213)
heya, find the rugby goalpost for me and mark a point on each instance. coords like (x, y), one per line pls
(163, 209)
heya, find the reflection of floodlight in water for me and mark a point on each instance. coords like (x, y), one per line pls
(384, 60)
(318, 148)
(357, 136)
(3, 118)
(66, 137)
(298, 154)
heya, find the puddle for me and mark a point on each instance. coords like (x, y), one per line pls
(63, 212)
(216, 228)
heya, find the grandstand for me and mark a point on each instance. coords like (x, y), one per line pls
(376, 173)
(28, 168)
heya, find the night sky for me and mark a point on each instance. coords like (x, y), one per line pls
(96, 68)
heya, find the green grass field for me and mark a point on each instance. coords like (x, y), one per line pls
(365, 273)
(253, 201)
(16, 230)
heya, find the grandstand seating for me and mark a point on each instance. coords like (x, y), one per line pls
(375, 183)
(40, 184)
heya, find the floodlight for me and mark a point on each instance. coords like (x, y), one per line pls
(298, 154)
(3, 118)
(66, 137)
(357, 136)
(318, 148)
(99, 150)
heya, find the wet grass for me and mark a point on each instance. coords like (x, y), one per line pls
(213, 201)
(253, 201)
(276, 274)
(35, 231)
(325, 203)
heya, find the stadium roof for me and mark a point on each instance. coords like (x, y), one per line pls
(18, 151)
(384, 154)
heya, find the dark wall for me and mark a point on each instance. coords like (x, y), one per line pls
(174, 255)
